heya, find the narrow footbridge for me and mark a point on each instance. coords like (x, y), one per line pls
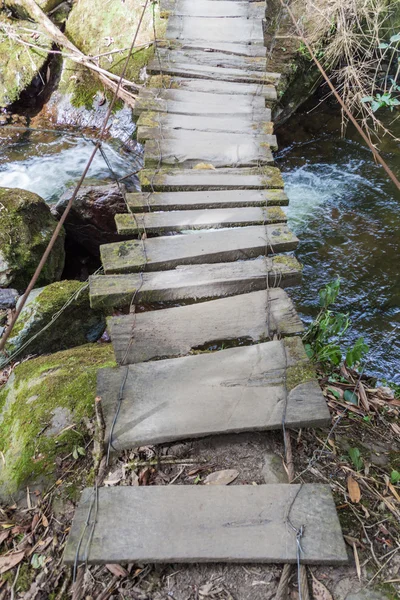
(208, 248)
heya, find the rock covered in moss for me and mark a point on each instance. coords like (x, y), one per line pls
(91, 221)
(17, 5)
(40, 401)
(77, 323)
(19, 64)
(96, 31)
(26, 226)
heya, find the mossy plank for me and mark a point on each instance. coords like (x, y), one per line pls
(174, 332)
(214, 86)
(168, 252)
(170, 221)
(190, 148)
(206, 177)
(234, 390)
(197, 71)
(194, 282)
(212, 59)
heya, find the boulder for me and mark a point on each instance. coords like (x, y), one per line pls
(26, 226)
(20, 65)
(91, 219)
(17, 6)
(77, 323)
(41, 400)
(96, 31)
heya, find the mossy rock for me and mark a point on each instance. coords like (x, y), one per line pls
(26, 226)
(97, 31)
(19, 64)
(77, 323)
(42, 398)
(17, 6)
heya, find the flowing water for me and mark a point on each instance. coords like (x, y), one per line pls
(347, 215)
(344, 210)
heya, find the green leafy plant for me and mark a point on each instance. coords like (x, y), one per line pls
(395, 476)
(322, 338)
(356, 459)
(78, 451)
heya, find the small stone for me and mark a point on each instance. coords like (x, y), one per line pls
(273, 471)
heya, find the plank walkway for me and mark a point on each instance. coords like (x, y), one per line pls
(216, 346)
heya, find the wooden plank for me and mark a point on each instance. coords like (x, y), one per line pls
(211, 59)
(147, 201)
(216, 46)
(197, 71)
(213, 86)
(195, 103)
(190, 148)
(155, 125)
(181, 220)
(239, 30)
(231, 391)
(180, 180)
(168, 252)
(173, 332)
(200, 106)
(210, 8)
(194, 282)
(252, 122)
(187, 523)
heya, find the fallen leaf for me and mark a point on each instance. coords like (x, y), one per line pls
(10, 561)
(357, 561)
(221, 477)
(117, 570)
(320, 591)
(45, 521)
(4, 535)
(204, 166)
(394, 491)
(354, 489)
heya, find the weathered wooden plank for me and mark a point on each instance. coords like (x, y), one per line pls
(173, 332)
(211, 59)
(195, 102)
(147, 201)
(155, 125)
(187, 523)
(210, 8)
(194, 282)
(213, 86)
(201, 106)
(197, 71)
(248, 388)
(180, 180)
(167, 252)
(191, 148)
(239, 30)
(216, 46)
(181, 220)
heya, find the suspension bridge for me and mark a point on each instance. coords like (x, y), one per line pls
(219, 348)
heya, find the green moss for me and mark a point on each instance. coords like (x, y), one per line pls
(96, 31)
(275, 214)
(300, 373)
(19, 64)
(288, 261)
(65, 380)
(26, 226)
(76, 324)
(148, 119)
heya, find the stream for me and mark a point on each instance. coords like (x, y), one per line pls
(342, 207)
(346, 213)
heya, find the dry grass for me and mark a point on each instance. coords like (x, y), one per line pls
(346, 35)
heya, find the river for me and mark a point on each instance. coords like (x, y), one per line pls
(342, 207)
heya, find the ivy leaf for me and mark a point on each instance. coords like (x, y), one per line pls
(395, 38)
(356, 459)
(309, 350)
(350, 397)
(367, 99)
(395, 477)
(375, 105)
(383, 46)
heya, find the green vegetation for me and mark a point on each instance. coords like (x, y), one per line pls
(322, 338)
(43, 408)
